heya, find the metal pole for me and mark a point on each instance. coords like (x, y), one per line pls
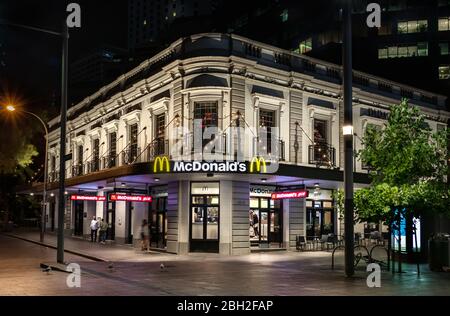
(62, 144)
(348, 139)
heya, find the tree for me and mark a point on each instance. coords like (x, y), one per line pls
(408, 168)
(16, 155)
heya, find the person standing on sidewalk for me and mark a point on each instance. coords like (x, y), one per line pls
(94, 228)
(103, 229)
(144, 236)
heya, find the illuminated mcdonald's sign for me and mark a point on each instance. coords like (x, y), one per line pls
(161, 164)
(130, 198)
(96, 198)
(290, 195)
(257, 163)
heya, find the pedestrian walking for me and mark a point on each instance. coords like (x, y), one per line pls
(94, 228)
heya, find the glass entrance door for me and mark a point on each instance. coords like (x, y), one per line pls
(204, 232)
(319, 222)
(110, 220)
(158, 222)
(79, 213)
(265, 221)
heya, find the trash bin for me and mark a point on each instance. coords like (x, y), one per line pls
(439, 252)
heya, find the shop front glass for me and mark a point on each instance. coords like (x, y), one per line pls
(319, 218)
(265, 218)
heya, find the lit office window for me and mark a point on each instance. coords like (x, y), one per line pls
(284, 15)
(382, 53)
(444, 72)
(443, 24)
(422, 49)
(306, 46)
(392, 52)
(443, 47)
(412, 26)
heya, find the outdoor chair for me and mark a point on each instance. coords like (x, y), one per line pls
(327, 240)
(301, 243)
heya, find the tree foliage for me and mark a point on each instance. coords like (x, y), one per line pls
(408, 164)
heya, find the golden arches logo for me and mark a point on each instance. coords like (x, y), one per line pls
(161, 164)
(258, 162)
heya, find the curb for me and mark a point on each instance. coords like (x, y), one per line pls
(77, 253)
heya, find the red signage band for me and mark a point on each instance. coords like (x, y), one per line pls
(130, 198)
(289, 195)
(97, 198)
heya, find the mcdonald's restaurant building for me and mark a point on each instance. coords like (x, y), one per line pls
(120, 141)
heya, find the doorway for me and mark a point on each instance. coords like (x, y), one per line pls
(129, 223)
(111, 220)
(204, 228)
(319, 221)
(158, 222)
(52, 215)
(79, 216)
(265, 222)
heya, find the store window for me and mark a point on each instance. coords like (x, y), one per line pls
(444, 72)
(265, 218)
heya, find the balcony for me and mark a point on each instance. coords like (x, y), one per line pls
(158, 147)
(53, 176)
(77, 169)
(93, 165)
(109, 161)
(264, 148)
(322, 155)
(130, 155)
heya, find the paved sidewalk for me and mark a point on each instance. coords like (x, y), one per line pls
(87, 249)
(280, 273)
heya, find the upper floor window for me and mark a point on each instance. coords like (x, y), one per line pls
(284, 15)
(207, 113)
(412, 26)
(320, 132)
(266, 123)
(306, 46)
(443, 48)
(419, 49)
(444, 72)
(444, 24)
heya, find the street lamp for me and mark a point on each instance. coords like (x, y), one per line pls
(12, 108)
(347, 132)
(64, 36)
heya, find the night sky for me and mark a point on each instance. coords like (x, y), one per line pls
(30, 61)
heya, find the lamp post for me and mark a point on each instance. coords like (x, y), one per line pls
(64, 35)
(348, 137)
(12, 108)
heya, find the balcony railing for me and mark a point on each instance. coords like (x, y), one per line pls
(109, 161)
(322, 155)
(77, 169)
(130, 155)
(53, 176)
(261, 147)
(93, 165)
